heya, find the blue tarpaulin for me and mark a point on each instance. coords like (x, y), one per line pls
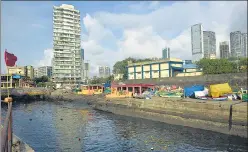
(107, 84)
(16, 76)
(189, 91)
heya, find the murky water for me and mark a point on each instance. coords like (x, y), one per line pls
(74, 127)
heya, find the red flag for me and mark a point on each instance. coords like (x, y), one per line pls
(10, 59)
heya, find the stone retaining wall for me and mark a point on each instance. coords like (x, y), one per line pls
(208, 115)
(234, 79)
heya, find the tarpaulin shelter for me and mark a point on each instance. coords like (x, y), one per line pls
(189, 90)
(218, 90)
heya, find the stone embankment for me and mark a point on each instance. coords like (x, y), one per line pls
(228, 117)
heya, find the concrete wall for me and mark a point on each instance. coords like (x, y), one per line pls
(207, 115)
(189, 74)
(234, 79)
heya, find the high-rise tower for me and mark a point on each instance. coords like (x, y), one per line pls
(66, 44)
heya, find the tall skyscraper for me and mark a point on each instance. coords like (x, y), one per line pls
(82, 53)
(235, 44)
(197, 42)
(104, 71)
(107, 71)
(224, 50)
(67, 57)
(244, 44)
(101, 71)
(166, 53)
(86, 71)
(209, 43)
(82, 66)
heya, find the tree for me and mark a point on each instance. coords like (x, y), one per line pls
(41, 79)
(217, 66)
(243, 62)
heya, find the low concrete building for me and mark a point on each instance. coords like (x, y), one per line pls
(190, 70)
(29, 71)
(36, 73)
(20, 70)
(10, 83)
(169, 67)
(45, 71)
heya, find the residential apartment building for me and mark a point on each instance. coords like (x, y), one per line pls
(237, 44)
(36, 72)
(101, 71)
(67, 59)
(19, 70)
(197, 42)
(166, 53)
(107, 71)
(224, 50)
(104, 71)
(209, 44)
(30, 71)
(244, 44)
(86, 71)
(45, 71)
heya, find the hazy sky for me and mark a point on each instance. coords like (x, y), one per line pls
(115, 30)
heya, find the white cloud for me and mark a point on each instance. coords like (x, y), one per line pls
(144, 35)
(47, 59)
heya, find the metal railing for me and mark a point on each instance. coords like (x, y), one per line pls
(6, 139)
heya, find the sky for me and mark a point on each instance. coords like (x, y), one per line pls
(115, 30)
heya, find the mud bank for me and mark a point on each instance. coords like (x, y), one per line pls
(226, 117)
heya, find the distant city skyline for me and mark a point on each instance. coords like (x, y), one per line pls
(209, 43)
(104, 71)
(224, 50)
(166, 53)
(106, 32)
(197, 42)
(238, 44)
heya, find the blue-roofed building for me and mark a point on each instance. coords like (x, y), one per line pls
(170, 67)
(190, 70)
(163, 68)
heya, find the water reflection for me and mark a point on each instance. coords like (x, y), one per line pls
(74, 127)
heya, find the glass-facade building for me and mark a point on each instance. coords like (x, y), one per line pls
(197, 42)
(209, 43)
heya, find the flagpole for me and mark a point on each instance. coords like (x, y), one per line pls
(7, 80)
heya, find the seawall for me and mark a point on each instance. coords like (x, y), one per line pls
(226, 117)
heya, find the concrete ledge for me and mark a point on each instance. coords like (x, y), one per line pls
(207, 115)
